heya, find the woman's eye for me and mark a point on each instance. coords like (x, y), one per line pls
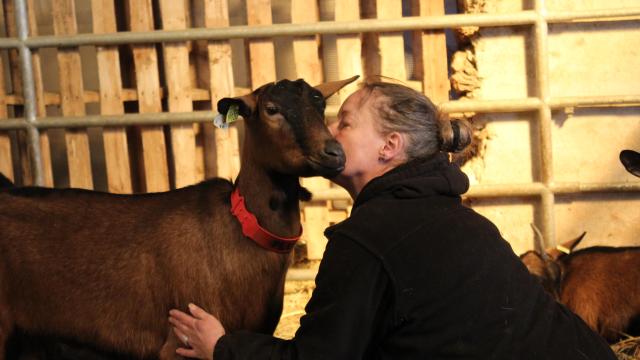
(271, 110)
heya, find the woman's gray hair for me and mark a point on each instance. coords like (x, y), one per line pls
(411, 113)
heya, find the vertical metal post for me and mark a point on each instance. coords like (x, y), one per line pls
(33, 134)
(541, 59)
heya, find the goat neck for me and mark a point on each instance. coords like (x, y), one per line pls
(272, 197)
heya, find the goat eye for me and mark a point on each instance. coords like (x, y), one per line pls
(271, 110)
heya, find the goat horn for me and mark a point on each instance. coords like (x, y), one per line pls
(537, 242)
(330, 88)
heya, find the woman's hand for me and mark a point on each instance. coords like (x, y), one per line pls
(199, 331)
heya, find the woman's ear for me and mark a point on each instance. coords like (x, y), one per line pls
(393, 148)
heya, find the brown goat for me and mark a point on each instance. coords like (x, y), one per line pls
(105, 269)
(600, 284)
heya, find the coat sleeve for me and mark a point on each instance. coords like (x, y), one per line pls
(345, 311)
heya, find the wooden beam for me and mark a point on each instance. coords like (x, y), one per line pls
(391, 45)
(261, 51)
(154, 153)
(71, 90)
(349, 46)
(309, 67)
(6, 161)
(116, 151)
(430, 53)
(176, 65)
(227, 152)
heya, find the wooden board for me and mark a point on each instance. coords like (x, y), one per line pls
(116, 151)
(71, 91)
(391, 45)
(348, 46)
(154, 154)
(309, 67)
(261, 51)
(227, 152)
(6, 162)
(430, 53)
(176, 65)
(16, 79)
(199, 77)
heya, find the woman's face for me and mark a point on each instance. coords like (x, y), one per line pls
(357, 132)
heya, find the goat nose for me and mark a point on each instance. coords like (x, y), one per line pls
(333, 148)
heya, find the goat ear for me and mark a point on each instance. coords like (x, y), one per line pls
(631, 161)
(246, 104)
(330, 88)
(565, 248)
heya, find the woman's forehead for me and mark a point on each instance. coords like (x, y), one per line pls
(362, 98)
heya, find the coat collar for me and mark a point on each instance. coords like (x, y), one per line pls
(418, 178)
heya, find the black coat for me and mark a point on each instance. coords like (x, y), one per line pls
(414, 274)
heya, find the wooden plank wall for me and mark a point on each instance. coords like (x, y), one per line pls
(195, 76)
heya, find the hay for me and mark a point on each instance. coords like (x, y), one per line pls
(628, 349)
(296, 296)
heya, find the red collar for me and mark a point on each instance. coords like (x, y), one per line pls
(252, 229)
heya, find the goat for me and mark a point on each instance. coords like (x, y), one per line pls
(105, 269)
(601, 284)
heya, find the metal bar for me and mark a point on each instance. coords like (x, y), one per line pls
(541, 59)
(513, 190)
(594, 101)
(126, 119)
(622, 14)
(301, 274)
(527, 17)
(484, 106)
(33, 135)
(526, 104)
(480, 106)
(14, 124)
(574, 188)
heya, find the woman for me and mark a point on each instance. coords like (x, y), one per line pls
(411, 274)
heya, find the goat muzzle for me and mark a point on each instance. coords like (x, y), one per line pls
(330, 161)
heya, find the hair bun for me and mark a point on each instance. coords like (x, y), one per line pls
(455, 134)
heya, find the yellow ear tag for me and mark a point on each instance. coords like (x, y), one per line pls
(222, 121)
(232, 113)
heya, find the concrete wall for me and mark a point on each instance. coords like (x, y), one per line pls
(587, 59)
